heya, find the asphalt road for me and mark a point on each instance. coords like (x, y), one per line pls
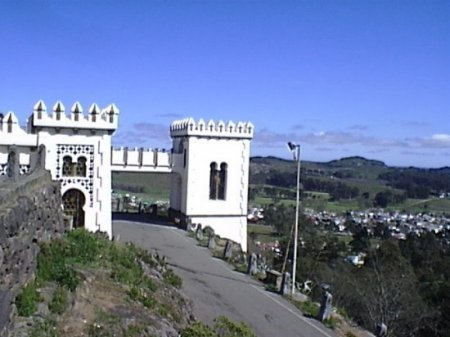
(218, 290)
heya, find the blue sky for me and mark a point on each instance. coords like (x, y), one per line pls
(341, 78)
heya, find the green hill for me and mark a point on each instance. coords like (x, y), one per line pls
(352, 182)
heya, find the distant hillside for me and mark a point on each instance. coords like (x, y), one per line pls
(351, 177)
(354, 161)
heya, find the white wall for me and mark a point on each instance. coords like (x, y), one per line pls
(205, 143)
(201, 153)
(98, 203)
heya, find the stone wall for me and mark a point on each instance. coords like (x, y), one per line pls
(30, 213)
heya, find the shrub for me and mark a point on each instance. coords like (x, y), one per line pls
(141, 295)
(225, 327)
(27, 300)
(52, 265)
(59, 301)
(198, 329)
(85, 247)
(309, 308)
(150, 284)
(43, 328)
(171, 278)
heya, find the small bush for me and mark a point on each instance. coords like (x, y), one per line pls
(85, 247)
(350, 334)
(171, 278)
(59, 301)
(142, 295)
(27, 300)
(225, 327)
(198, 329)
(150, 284)
(309, 308)
(52, 265)
(331, 323)
(45, 328)
(271, 287)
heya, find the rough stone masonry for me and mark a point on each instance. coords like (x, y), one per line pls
(30, 213)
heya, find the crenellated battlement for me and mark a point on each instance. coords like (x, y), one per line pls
(12, 134)
(140, 160)
(190, 127)
(97, 119)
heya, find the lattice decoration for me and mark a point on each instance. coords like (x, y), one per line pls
(3, 169)
(84, 175)
(24, 169)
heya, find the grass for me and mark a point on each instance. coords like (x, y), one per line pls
(342, 206)
(147, 186)
(267, 201)
(171, 278)
(309, 308)
(259, 229)
(223, 327)
(60, 261)
(59, 300)
(430, 205)
(43, 328)
(28, 300)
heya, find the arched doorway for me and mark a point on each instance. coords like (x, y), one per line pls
(73, 202)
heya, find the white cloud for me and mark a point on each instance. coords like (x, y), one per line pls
(142, 135)
(441, 138)
(438, 140)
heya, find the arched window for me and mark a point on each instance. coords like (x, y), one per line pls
(67, 164)
(217, 181)
(214, 181)
(223, 181)
(77, 169)
(81, 167)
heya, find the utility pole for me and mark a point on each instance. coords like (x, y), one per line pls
(293, 147)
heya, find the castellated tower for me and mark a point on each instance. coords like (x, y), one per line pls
(78, 154)
(210, 176)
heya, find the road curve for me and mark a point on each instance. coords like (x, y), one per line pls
(218, 290)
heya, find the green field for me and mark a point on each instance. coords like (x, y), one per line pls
(432, 205)
(149, 187)
(410, 205)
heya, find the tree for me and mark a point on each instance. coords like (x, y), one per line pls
(361, 241)
(382, 199)
(281, 217)
(386, 291)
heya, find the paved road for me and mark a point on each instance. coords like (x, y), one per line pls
(216, 289)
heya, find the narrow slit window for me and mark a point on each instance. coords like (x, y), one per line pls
(214, 181)
(222, 181)
(81, 167)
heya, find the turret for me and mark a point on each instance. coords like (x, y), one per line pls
(76, 120)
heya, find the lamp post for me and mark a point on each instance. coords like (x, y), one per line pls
(292, 148)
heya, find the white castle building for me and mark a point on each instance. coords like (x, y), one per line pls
(209, 164)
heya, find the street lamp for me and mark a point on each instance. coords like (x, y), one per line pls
(292, 148)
